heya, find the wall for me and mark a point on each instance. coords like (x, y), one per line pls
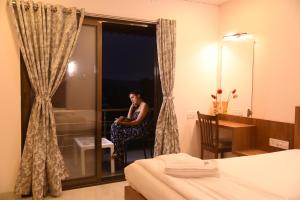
(10, 104)
(275, 26)
(196, 60)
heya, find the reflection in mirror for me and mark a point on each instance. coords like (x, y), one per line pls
(236, 73)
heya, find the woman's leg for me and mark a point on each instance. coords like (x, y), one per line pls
(121, 134)
(117, 137)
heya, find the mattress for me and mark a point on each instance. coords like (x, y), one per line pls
(266, 176)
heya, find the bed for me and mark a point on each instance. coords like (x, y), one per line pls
(261, 177)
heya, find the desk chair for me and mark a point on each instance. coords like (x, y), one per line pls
(210, 140)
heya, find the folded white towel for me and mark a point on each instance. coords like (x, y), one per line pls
(190, 167)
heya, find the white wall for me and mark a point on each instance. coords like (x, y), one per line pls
(10, 104)
(275, 25)
(197, 34)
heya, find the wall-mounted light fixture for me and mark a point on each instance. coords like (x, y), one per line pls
(237, 36)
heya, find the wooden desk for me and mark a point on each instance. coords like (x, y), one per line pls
(243, 135)
(229, 124)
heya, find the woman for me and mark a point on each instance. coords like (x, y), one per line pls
(132, 126)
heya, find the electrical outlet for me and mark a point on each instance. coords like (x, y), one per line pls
(282, 144)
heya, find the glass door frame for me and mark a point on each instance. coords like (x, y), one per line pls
(97, 179)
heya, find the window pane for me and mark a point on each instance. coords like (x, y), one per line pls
(75, 106)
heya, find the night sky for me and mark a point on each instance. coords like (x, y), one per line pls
(129, 54)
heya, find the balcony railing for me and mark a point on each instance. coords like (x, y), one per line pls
(77, 123)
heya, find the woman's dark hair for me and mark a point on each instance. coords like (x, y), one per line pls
(136, 92)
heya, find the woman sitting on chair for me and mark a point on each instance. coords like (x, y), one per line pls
(130, 127)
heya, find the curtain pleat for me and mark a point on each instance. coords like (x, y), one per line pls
(47, 37)
(166, 135)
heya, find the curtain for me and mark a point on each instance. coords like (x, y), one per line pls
(47, 36)
(166, 135)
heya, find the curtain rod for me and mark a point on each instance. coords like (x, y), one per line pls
(117, 18)
(110, 17)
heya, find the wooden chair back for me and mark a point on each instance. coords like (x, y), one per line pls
(209, 132)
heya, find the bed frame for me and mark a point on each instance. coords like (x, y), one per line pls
(132, 194)
(297, 128)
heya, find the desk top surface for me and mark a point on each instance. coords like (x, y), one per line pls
(229, 124)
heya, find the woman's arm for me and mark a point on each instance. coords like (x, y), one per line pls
(129, 115)
(143, 112)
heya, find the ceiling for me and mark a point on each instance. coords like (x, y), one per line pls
(212, 2)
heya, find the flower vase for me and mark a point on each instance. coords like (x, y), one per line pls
(215, 107)
(219, 107)
(224, 107)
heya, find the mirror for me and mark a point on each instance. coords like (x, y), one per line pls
(237, 58)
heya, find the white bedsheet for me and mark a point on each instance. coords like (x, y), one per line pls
(262, 177)
(151, 187)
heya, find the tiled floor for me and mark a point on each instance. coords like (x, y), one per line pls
(112, 191)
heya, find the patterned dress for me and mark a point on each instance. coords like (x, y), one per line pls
(120, 134)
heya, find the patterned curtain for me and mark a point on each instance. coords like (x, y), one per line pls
(47, 36)
(166, 136)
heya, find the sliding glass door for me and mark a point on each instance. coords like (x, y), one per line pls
(75, 107)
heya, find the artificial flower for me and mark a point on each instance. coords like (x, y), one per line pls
(232, 94)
